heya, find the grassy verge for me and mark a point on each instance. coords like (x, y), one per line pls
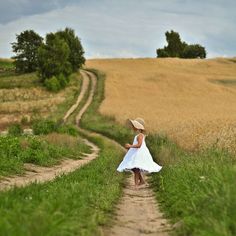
(75, 204)
(195, 189)
(45, 150)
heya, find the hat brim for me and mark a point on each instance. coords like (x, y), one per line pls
(136, 124)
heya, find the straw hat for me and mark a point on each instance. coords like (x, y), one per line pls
(138, 123)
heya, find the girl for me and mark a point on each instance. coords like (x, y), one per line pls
(138, 158)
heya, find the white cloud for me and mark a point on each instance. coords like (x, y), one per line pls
(133, 28)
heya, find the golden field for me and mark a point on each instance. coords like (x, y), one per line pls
(193, 101)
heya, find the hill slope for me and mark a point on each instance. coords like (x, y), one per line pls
(192, 101)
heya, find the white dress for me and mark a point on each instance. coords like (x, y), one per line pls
(139, 158)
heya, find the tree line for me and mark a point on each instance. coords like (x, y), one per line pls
(178, 48)
(61, 53)
(54, 58)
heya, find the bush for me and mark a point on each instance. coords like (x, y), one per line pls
(63, 81)
(53, 84)
(68, 129)
(44, 126)
(194, 51)
(15, 130)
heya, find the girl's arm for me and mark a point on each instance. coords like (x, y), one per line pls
(138, 145)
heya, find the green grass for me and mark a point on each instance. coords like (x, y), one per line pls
(198, 190)
(40, 150)
(75, 204)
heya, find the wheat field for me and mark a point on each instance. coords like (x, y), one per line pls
(192, 101)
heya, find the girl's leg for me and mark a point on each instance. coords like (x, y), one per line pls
(136, 176)
(141, 179)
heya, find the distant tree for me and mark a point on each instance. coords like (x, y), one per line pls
(175, 45)
(53, 58)
(76, 55)
(26, 48)
(178, 48)
(194, 51)
(162, 52)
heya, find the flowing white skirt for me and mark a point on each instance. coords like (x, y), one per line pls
(139, 158)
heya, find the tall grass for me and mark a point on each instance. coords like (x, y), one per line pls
(41, 150)
(198, 191)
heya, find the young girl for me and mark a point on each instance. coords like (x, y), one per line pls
(138, 158)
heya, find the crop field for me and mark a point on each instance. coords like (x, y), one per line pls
(192, 101)
(23, 97)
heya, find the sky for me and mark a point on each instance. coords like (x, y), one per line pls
(124, 28)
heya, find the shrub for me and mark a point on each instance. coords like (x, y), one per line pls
(68, 129)
(44, 126)
(63, 81)
(52, 84)
(15, 130)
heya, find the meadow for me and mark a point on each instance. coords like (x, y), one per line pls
(190, 101)
(195, 187)
(22, 97)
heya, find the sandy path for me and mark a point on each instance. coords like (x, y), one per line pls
(87, 75)
(138, 214)
(36, 173)
(83, 90)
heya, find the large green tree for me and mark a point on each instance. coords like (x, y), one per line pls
(54, 57)
(26, 50)
(177, 48)
(76, 55)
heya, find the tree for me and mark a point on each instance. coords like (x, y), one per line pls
(162, 52)
(175, 45)
(26, 48)
(178, 48)
(76, 55)
(53, 58)
(194, 51)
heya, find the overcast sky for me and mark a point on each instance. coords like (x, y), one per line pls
(124, 28)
